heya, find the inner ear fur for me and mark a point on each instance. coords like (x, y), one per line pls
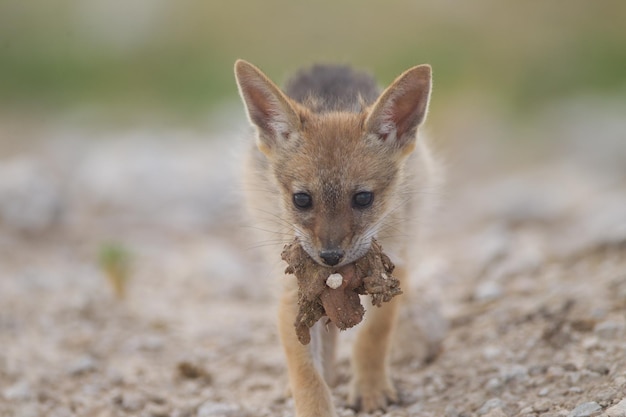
(401, 108)
(267, 106)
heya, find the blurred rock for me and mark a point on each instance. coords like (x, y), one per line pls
(496, 412)
(526, 411)
(216, 409)
(492, 404)
(543, 392)
(620, 381)
(20, 391)
(491, 245)
(175, 180)
(414, 409)
(618, 410)
(346, 412)
(599, 368)
(148, 343)
(30, 197)
(609, 329)
(421, 331)
(451, 411)
(488, 291)
(491, 352)
(514, 372)
(221, 265)
(542, 405)
(605, 397)
(586, 410)
(494, 384)
(82, 365)
(132, 401)
(601, 222)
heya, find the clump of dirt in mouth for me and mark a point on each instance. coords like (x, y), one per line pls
(371, 274)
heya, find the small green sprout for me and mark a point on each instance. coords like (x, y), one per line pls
(115, 261)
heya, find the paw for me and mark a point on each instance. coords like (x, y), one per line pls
(373, 395)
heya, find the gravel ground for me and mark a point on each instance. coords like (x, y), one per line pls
(526, 264)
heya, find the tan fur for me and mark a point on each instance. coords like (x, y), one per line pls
(332, 156)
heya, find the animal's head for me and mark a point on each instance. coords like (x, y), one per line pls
(339, 173)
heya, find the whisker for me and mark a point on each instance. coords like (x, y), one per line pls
(266, 244)
(274, 232)
(372, 229)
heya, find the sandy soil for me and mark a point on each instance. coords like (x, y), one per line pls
(526, 264)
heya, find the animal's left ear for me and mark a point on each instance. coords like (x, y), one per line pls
(401, 108)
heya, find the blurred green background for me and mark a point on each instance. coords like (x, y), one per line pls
(123, 59)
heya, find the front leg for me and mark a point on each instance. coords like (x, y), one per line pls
(371, 387)
(310, 392)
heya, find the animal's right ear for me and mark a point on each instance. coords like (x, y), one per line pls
(268, 108)
(401, 108)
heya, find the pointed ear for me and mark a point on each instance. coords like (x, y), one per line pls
(401, 108)
(268, 108)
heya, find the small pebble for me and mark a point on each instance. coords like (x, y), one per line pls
(542, 405)
(132, 401)
(555, 372)
(526, 410)
(346, 412)
(605, 397)
(18, 392)
(599, 368)
(609, 329)
(490, 405)
(573, 377)
(514, 372)
(148, 343)
(590, 343)
(82, 366)
(493, 384)
(488, 291)
(491, 352)
(334, 281)
(451, 411)
(216, 409)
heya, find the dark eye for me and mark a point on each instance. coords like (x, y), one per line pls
(302, 200)
(363, 199)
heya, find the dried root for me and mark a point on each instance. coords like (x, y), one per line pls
(339, 299)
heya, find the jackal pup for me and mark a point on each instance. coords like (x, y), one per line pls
(337, 163)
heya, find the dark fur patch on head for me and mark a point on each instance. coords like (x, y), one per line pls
(327, 88)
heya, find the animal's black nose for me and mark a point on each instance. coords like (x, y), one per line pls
(331, 257)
